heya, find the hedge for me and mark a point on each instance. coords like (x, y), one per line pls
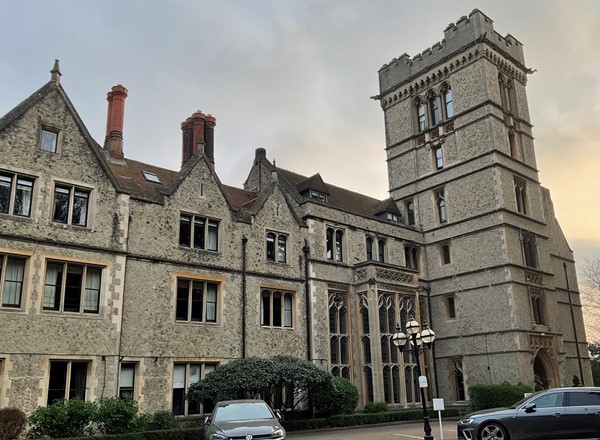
(172, 434)
(495, 396)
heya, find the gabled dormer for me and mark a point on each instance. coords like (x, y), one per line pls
(313, 188)
(388, 210)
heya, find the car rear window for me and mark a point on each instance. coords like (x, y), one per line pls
(589, 398)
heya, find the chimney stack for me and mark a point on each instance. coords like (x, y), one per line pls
(113, 143)
(197, 133)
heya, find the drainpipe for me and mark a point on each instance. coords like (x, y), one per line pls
(574, 328)
(309, 356)
(244, 242)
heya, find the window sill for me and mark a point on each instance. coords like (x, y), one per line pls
(200, 250)
(268, 327)
(76, 315)
(16, 310)
(198, 323)
(72, 227)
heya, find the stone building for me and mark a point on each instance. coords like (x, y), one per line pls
(123, 278)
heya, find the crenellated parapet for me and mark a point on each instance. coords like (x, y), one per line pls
(458, 37)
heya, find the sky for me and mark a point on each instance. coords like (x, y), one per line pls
(296, 77)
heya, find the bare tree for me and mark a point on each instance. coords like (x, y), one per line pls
(590, 296)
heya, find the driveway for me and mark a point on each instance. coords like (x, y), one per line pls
(396, 431)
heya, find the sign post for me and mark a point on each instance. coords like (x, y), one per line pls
(438, 405)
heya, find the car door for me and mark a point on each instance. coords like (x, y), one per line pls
(542, 417)
(582, 418)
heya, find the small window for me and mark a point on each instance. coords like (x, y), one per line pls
(449, 103)
(410, 212)
(381, 250)
(369, 244)
(276, 309)
(11, 281)
(529, 249)
(196, 301)
(49, 140)
(411, 256)
(436, 111)
(16, 194)
(198, 232)
(127, 381)
(440, 201)
(71, 205)
(391, 217)
(445, 253)
(584, 398)
(421, 117)
(151, 177)
(334, 245)
(73, 288)
(276, 247)
(537, 306)
(438, 157)
(317, 195)
(512, 146)
(451, 307)
(521, 195)
(68, 380)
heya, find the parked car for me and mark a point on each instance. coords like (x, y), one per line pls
(558, 413)
(250, 419)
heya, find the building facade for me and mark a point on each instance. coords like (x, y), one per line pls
(120, 278)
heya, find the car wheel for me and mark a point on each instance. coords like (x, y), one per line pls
(493, 431)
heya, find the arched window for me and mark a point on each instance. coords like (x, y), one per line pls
(508, 96)
(435, 109)
(410, 212)
(277, 254)
(448, 103)
(421, 116)
(440, 201)
(381, 250)
(369, 248)
(335, 243)
(338, 333)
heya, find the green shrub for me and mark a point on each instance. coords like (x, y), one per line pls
(339, 396)
(375, 407)
(12, 423)
(162, 420)
(64, 418)
(174, 434)
(116, 415)
(494, 396)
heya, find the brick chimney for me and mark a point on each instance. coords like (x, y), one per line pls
(113, 143)
(197, 134)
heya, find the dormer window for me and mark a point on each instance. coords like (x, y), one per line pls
(316, 195)
(151, 177)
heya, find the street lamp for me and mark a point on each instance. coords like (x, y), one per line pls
(415, 346)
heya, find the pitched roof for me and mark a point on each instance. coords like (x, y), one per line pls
(340, 198)
(129, 174)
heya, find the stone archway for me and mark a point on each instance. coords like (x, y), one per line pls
(542, 371)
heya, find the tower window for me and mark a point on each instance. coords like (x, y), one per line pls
(421, 117)
(438, 157)
(335, 238)
(448, 103)
(410, 212)
(521, 195)
(451, 307)
(445, 253)
(529, 249)
(440, 201)
(369, 244)
(436, 111)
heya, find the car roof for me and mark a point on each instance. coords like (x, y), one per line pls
(229, 402)
(597, 389)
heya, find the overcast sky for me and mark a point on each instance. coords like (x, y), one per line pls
(296, 77)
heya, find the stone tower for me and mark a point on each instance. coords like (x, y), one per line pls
(462, 166)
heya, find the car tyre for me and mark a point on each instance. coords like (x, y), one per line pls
(493, 431)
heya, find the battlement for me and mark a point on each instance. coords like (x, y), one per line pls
(457, 35)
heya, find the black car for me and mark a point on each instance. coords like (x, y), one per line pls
(248, 419)
(558, 413)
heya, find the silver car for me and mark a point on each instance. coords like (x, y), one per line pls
(558, 413)
(250, 419)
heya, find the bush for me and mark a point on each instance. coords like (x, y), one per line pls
(12, 423)
(117, 416)
(375, 407)
(64, 418)
(494, 396)
(162, 420)
(174, 434)
(340, 396)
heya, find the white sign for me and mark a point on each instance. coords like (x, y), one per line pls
(438, 404)
(422, 381)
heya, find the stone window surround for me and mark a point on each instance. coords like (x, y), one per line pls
(431, 103)
(15, 178)
(218, 300)
(3, 273)
(335, 245)
(54, 128)
(284, 323)
(70, 360)
(276, 256)
(74, 186)
(208, 221)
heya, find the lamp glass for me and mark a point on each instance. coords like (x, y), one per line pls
(412, 326)
(399, 339)
(427, 335)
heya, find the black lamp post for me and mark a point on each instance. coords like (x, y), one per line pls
(427, 336)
